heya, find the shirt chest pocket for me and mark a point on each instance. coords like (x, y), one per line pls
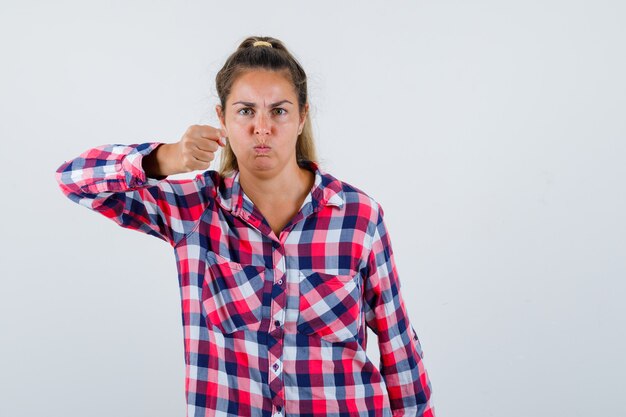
(330, 306)
(232, 294)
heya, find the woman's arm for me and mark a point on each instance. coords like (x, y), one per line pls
(401, 355)
(110, 179)
(157, 164)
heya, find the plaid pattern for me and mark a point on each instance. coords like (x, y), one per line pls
(273, 325)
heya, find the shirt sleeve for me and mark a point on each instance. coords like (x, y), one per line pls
(401, 355)
(110, 180)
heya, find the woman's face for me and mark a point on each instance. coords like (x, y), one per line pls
(262, 111)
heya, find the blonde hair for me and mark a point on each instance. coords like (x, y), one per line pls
(275, 58)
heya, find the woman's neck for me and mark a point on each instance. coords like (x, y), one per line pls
(291, 184)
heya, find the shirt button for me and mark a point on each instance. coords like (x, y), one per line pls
(275, 366)
(279, 408)
(277, 323)
(280, 282)
(139, 182)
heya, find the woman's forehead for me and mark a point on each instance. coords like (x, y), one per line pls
(262, 85)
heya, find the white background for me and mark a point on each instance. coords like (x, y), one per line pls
(492, 133)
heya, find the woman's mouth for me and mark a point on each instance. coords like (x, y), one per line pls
(262, 149)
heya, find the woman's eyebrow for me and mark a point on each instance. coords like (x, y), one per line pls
(250, 104)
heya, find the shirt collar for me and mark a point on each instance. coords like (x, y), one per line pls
(326, 190)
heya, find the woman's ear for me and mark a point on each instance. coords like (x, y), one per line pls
(220, 116)
(303, 115)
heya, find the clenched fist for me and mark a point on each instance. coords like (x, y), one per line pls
(194, 151)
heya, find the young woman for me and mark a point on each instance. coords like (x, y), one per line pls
(281, 265)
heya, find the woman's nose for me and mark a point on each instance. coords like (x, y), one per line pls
(262, 126)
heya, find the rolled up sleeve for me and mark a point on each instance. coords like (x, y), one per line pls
(109, 179)
(401, 355)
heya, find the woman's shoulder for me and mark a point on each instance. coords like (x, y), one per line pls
(355, 196)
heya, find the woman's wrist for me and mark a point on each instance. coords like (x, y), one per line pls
(157, 164)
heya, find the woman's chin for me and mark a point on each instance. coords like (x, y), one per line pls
(263, 162)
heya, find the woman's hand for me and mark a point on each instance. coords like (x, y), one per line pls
(194, 151)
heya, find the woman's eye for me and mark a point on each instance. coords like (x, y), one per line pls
(245, 111)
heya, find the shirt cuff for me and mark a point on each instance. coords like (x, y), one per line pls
(135, 176)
